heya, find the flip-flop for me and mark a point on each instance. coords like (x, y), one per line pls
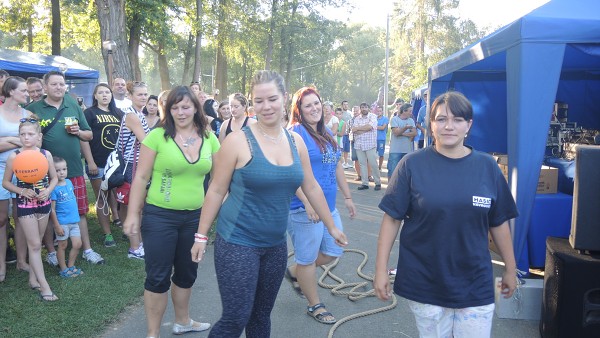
(294, 281)
(48, 298)
(34, 287)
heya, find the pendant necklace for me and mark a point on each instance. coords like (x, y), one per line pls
(275, 139)
(189, 141)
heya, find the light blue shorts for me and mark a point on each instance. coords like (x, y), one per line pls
(70, 230)
(311, 238)
(5, 194)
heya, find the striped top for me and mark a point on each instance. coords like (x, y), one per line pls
(127, 139)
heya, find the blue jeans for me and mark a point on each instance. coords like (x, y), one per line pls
(393, 160)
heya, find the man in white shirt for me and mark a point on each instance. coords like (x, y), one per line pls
(119, 89)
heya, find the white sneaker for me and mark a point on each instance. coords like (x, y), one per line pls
(191, 327)
(137, 254)
(51, 259)
(93, 257)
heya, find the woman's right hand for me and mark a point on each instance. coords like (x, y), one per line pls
(131, 226)
(198, 251)
(381, 284)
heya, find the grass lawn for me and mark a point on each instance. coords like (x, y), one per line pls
(87, 303)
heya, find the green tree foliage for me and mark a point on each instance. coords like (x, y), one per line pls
(26, 25)
(423, 33)
(343, 61)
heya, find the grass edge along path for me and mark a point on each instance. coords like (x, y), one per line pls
(87, 304)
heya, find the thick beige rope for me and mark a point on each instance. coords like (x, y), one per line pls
(353, 294)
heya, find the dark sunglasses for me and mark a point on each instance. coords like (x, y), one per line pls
(139, 84)
(31, 120)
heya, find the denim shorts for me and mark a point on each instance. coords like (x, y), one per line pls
(94, 177)
(70, 230)
(393, 160)
(436, 321)
(380, 147)
(5, 194)
(311, 238)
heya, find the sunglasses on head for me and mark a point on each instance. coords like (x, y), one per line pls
(31, 120)
(139, 84)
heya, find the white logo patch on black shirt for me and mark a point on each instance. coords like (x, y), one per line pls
(483, 202)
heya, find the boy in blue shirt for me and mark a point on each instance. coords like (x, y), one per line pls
(65, 217)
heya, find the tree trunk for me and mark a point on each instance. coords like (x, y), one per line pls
(135, 34)
(198, 50)
(269, 52)
(221, 71)
(187, 56)
(244, 71)
(111, 16)
(56, 27)
(290, 57)
(30, 35)
(163, 67)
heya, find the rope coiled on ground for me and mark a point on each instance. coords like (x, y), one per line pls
(353, 294)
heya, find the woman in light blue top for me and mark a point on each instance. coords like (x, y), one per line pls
(313, 244)
(259, 169)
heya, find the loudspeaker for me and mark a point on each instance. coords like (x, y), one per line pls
(571, 296)
(585, 221)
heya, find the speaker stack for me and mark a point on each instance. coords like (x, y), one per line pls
(571, 298)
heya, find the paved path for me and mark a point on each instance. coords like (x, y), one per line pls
(289, 317)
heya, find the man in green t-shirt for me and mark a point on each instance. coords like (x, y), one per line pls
(62, 138)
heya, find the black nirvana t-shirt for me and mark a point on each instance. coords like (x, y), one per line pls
(105, 127)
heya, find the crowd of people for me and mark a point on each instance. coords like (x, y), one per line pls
(263, 168)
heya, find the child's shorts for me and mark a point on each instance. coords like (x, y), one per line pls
(70, 230)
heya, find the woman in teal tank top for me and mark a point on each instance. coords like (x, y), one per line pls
(260, 168)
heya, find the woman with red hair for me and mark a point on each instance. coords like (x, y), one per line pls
(312, 242)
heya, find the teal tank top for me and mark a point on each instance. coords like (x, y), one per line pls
(256, 211)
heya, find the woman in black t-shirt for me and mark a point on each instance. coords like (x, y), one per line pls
(105, 119)
(446, 199)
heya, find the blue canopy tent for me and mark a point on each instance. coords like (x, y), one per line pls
(514, 76)
(80, 79)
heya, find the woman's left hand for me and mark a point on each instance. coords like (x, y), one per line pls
(339, 236)
(508, 284)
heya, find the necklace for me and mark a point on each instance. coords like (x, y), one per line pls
(189, 141)
(275, 139)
